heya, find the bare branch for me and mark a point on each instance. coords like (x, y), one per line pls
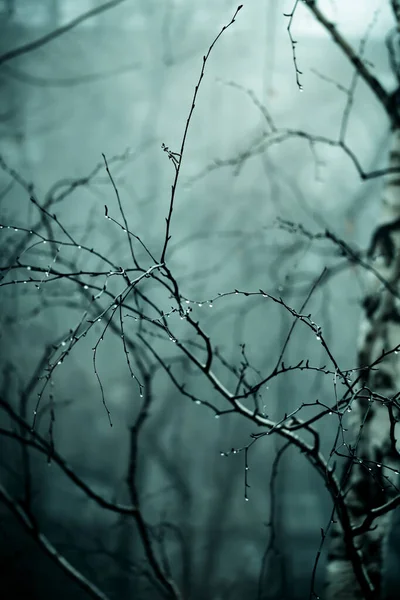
(375, 86)
(47, 547)
(49, 37)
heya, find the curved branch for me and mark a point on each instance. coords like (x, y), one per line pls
(47, 547)
(49, 37)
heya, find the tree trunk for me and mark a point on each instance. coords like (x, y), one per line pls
(367, 483)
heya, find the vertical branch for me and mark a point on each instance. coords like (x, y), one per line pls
(177, 158)
(166, 582)
(121, 210)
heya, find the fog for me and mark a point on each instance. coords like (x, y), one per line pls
(121, 84)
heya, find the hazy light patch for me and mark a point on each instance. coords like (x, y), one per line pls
(71, 9)
(34, 14)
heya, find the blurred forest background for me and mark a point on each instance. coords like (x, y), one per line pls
(121, 83)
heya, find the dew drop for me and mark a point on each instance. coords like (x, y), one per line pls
(85, 287)
(28, 268)
(210, 305)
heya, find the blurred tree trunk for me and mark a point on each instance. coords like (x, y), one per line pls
(367, 484)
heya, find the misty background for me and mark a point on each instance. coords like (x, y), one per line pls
(121, 83)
